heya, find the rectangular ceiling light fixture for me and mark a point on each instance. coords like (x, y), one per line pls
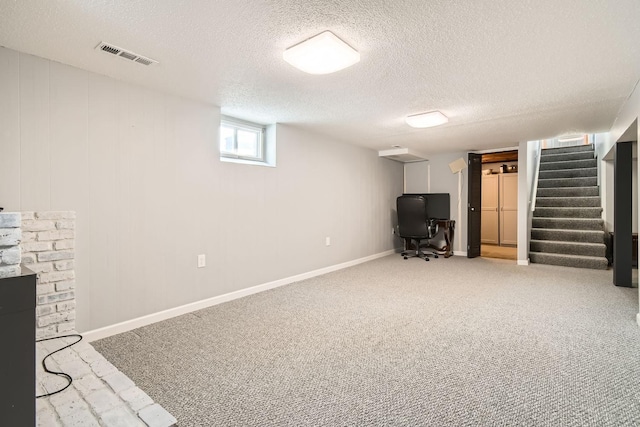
(321, 54)
(427, 120)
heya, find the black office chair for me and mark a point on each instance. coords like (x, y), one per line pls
(414, 224)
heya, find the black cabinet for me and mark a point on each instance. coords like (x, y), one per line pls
(18, 351)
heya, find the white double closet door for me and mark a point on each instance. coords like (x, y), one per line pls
(500, 209)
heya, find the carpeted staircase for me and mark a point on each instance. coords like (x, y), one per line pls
(567, 224)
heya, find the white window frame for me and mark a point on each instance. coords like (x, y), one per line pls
(237, 124)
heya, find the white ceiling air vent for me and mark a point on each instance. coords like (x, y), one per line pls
(126, 54)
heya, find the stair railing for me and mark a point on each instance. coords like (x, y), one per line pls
(534, 183)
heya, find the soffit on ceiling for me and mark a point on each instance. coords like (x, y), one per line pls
(502, 71)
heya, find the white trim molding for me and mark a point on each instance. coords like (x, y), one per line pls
(128, 325)
(523, 261)
(460, 253)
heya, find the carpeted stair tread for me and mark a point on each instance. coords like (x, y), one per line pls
(579, 261)
(569, 248)
(571, 212)
(569, 173)
(591, 224)
(559, 157)
(586, 236)
(590, 181)
(568, 164)
(569, 192)
(590, 201)
(572, 149)
(567, 226)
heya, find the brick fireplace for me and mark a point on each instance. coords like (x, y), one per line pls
(48, 242)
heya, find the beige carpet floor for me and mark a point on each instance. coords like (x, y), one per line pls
(393, 342)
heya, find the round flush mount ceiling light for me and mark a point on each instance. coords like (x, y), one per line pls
(427, 120)
(321, 54)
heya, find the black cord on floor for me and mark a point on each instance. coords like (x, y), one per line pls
(60, 374)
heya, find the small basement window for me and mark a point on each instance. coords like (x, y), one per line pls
(247, 143)
(243, 142)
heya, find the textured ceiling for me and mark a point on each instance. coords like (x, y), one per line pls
(501, 70)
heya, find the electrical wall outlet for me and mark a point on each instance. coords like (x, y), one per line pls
(202, 261)
(327, 241)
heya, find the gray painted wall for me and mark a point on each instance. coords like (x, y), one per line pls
(527, 175)
(437, 173)
(443, 181)
(141, 170)
(627, 115)
(417, 177)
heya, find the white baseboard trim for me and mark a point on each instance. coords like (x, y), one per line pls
(460, 253)
(128, 325)
(638, 318)
(523, 261)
